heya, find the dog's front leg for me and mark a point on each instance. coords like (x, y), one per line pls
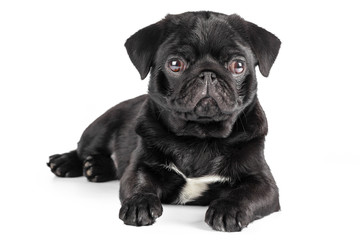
(140, 203)
(254, 197)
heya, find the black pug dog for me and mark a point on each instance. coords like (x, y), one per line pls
(198, 136)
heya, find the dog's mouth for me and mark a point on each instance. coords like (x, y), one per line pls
(191, 116)
(206, 110)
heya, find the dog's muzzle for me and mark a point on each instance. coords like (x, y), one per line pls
(204, 100)
(207, 106)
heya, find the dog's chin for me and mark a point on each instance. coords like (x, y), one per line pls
(189, 124)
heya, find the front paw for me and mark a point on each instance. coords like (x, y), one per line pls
(141, 209)
(226, 215)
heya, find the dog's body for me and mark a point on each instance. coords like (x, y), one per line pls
(198, 136)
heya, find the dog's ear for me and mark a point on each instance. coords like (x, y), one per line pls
(264, 44)
(143, 45)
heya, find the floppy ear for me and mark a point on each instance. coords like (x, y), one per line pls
(143, 45)
(264, 44)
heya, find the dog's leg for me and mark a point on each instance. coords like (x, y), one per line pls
(139, 189)
(96, 168)
(99, 168)
(252, 195)
(66, 165)
(254, 198)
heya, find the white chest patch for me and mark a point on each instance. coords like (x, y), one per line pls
(195, 187)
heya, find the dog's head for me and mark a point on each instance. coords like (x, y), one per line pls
(202, 68)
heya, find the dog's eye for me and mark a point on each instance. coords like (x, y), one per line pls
(176, 65)
(236, 67)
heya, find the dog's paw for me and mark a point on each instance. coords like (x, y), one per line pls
(99, 169)
(226, 215)
(65, 165)
(141, 210)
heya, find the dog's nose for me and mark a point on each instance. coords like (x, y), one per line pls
(208, 76)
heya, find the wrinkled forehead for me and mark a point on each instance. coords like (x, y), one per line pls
(203, 37)
(213, 31)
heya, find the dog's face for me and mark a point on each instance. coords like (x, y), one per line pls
(202, 68)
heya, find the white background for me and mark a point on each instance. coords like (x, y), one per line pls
(62, 64)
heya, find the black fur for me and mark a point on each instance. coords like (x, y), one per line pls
(204, 120)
